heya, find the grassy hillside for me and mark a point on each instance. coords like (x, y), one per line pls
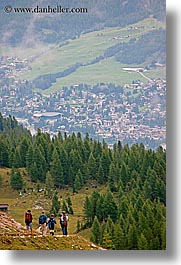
(36, 201)
(46, 243)
(53, 59)
(12, 227)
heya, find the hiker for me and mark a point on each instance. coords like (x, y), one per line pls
(28, 222)
(64, 222)
(51, 224)
(43, 223)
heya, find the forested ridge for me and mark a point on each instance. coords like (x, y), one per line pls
(130, 215)
(56, 28)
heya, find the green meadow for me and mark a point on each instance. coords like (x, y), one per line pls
(53, 59)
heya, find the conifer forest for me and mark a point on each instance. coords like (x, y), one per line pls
(130, 214)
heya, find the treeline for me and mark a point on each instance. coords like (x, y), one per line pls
(130, 215)
(74, 161)
(6, 124)
(126, 219)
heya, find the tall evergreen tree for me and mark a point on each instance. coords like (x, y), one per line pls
(124, 175)
(17, 158)
(100, 209)
(110, 207)
(49, 184)
(55, 204)
(88, 212)
(142, 243)
(132, 237)
(118, 237)
(23, 149)
(4, 154)
(107, 241)
(78, 181)
(100, 175)
(29, 156)
(40, 161)
(92, 167)
(64, 206)
(96, 231)
(112, 177)
(56, 170)
(63, 156)
(16, 179)
(105, 162)
(33, 171)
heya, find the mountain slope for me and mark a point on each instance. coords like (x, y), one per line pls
(28, 28)
(12, 236)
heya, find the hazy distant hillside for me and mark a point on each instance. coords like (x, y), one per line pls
(30, 28)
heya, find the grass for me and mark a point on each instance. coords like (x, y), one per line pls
(18, 205)
(53, 59)
(46, 243)
(107, 71)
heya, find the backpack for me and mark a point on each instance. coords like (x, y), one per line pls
(64, 220)
(28, 218)
(42, 219)
(51, 223)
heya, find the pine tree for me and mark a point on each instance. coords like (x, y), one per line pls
(142, 243)
(56, 170)
(123, 206)
(92, 167)
(78, 226)
(16, 179)
(112, 177)
(70, 209)
(29, 156)
(100, 209)
(109, 227)
(94, 200)
(55, 204)
(132, 237)
(75, 160)
(49, 184)
(107, 241)
(156, 244)
(33, 171)
(96, 231)
(100, 175)
(110, 207)
(17, 158)
(124, 175)
(159, 169)
(23, 149)
(64, 207)
(118, 237)
(105, 162)
(40, 161)
(63, 156)
(88, 212)
(38, 187)
(4, 154)
(150, 185)
(163, 236)
(78, 181)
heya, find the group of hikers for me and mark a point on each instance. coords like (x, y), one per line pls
(46, 222)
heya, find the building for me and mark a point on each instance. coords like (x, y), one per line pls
(4, 207)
